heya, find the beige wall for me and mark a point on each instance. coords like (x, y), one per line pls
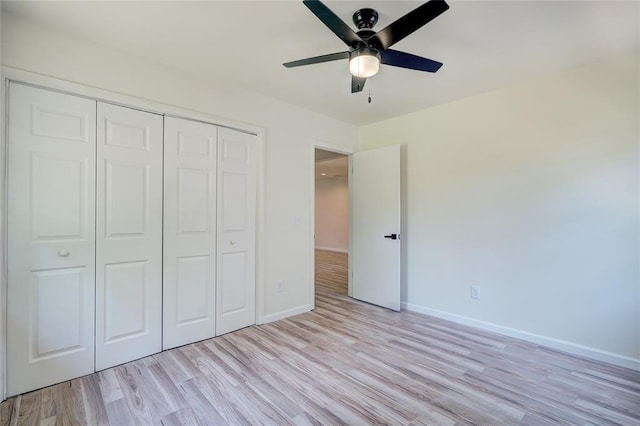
(332, 213)
(289, 132)
(530, 193)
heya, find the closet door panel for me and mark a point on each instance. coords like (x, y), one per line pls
(125, 312)
(129, 235)
(235, 294)
(126, 190)
(51, 238)
(189, 232)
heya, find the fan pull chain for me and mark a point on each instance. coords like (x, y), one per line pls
(369, 96)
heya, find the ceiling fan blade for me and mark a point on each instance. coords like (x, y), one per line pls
(333, 22)
(357, 84)
(407, 60)
(409, 23)
(317, 59)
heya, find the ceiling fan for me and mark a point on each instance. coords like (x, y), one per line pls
(367, 48)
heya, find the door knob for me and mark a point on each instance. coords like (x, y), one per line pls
(232, 242)
(63, 253)
(392, 236)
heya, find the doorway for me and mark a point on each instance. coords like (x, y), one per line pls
(331, 225)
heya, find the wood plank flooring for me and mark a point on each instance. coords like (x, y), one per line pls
(344, 363)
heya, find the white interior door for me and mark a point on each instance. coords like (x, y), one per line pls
(51, 238)
(235, 289)
(189, 259)
(129, 235)
(376, 226)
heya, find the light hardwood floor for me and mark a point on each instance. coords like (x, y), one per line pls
(344, 363)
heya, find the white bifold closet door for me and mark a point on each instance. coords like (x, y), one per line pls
(51, 238)
(235, 284)
(189, 269)
(128, 235)
(85, 235)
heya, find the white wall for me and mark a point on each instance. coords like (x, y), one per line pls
(289, 130)
(530, 193)
(332, 213)
(2, 233)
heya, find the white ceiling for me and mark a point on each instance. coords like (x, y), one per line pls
(332, 167)
(322, 155)
(484, 45)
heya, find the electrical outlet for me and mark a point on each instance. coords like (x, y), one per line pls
(280, 286)
(475, 292)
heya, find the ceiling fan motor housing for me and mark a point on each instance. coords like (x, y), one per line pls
(367, 50)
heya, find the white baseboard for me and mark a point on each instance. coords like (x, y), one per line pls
(337, 250)
(285, 314)
(562, 345)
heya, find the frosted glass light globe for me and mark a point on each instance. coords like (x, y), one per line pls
(364, 63)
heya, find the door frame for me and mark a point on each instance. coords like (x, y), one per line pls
(4, 101)
(325, 146)
(8, 74)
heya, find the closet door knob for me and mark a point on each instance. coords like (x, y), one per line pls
(232, 242)
(63, 253)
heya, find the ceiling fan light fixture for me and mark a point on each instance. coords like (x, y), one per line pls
(364, 62)
(368, 47)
